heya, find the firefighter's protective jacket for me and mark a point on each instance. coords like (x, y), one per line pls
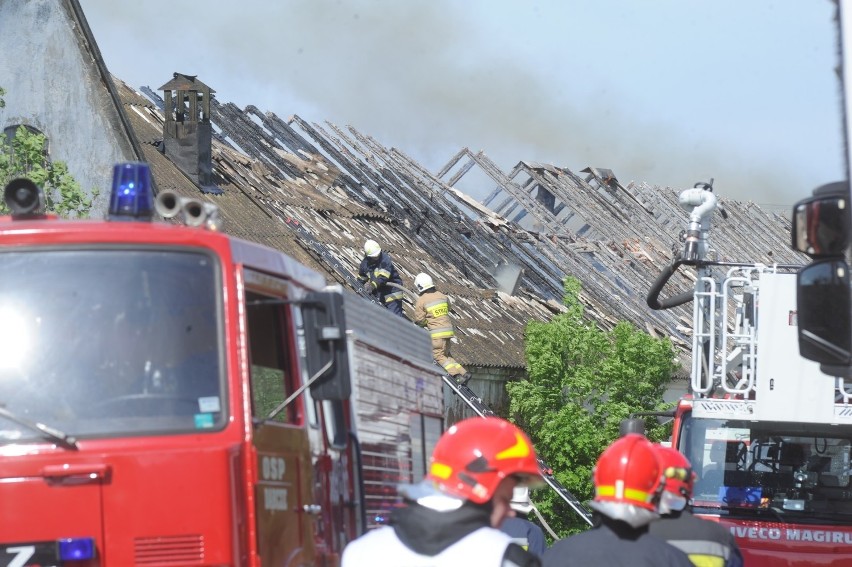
(422, 536)
(378, 272)
(432, 310)
(615, 544)
(526, 534)
(705, 542)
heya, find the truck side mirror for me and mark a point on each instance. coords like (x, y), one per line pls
(823, 313)
(821, 223)
(821, 226)
(325, 345)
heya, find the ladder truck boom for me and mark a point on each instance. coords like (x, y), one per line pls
(767, 431)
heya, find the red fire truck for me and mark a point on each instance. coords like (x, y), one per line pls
(768, 434)
(171, 395)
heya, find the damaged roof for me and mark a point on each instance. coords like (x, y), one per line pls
(318, 191)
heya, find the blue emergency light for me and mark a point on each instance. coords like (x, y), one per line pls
(747, 496)
(76, 549)
(131, 196)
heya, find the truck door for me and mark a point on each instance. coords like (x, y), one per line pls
(285, 512)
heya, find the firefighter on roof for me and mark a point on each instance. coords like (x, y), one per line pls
(376, 272)
(628, 482)
(706, 543)
(432, 310)
(451, 518)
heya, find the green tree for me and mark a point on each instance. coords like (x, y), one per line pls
(582, 381)
(26, 156)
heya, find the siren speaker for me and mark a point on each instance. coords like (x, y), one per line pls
(23, 197)
(168, 204)
(194, 213)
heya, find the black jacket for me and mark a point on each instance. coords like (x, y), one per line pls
(699, 539)
(522, 529)
(614, 544)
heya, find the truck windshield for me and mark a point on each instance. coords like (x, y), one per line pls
(795, 472)
(109, 342)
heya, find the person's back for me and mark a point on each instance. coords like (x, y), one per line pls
(628, 481)
(419, 535)
(526, 534)
(615, 544)
(705, 542)
(432, 310)
(451, 517)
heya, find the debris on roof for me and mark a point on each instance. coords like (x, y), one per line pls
(318, 191)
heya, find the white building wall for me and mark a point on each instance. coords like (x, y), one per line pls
(53, 83)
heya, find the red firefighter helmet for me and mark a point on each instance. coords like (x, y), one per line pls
(627, 472)
(473, 456)
(676, 470)
(678, 479)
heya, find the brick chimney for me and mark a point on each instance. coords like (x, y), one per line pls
(187, 132)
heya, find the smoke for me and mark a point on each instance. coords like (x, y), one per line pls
(429, 78)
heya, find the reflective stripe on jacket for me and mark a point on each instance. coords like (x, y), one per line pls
(432, 310)
(707, 543)
(379, 273)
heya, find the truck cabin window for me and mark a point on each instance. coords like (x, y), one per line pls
(268, 349)
(747, 468)
(109, 342)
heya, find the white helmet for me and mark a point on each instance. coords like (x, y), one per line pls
(372, 249)
(423, 282)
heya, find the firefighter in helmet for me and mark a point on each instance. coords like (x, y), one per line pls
(432, 310)
(705, 542)
(452, 517)
(628, 483)
(376, 272)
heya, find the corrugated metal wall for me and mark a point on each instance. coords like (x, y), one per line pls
(374, 325)
(395, 385)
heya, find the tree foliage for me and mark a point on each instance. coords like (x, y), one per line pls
(25, 155)
(582, 381)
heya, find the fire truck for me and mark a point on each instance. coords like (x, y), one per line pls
(768, 434)
(172, 395)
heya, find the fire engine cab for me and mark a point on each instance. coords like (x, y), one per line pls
(768, 434)
(171, 395)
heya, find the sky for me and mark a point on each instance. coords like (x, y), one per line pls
(667, 92)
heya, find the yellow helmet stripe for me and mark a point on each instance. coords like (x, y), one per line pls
(626, 493)
(440, 470)
(519, 450)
